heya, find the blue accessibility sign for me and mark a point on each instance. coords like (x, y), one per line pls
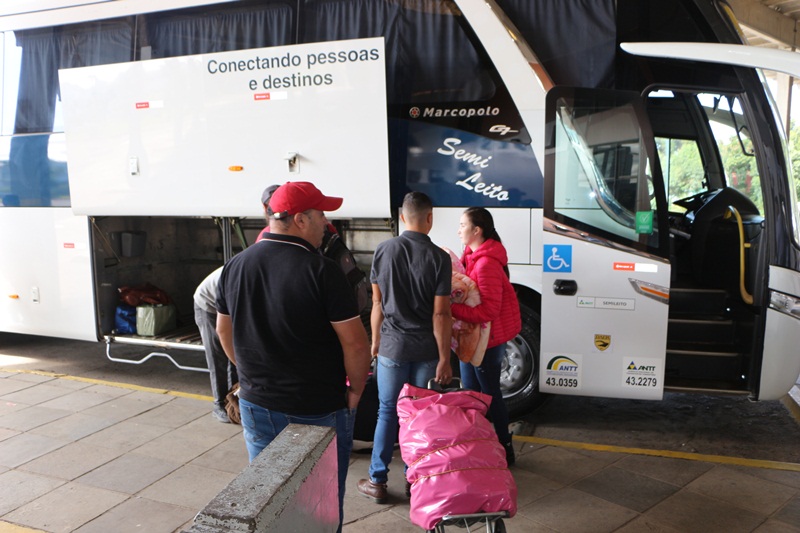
(557, 258)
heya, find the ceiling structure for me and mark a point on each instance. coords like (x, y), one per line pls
(773, 24)
(769, 23)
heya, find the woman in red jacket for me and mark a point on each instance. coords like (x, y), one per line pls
(486, 262)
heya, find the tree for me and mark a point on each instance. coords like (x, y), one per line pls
(794, 154)
(736, 158)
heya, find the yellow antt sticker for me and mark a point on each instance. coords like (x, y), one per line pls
(602, 342)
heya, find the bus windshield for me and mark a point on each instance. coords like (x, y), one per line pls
(691, 169)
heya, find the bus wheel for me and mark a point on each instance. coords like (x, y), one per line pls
(519, 375)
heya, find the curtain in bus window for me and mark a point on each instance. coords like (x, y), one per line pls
(97, 43)
(334, 20)
(338, 20)
(429, 56)
(447, 65)
(37, 164)
(28, 163)
(575, 40)
(220, 31)
(45, 51)
(38, 81)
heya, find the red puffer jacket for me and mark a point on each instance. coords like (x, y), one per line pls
(499, 303)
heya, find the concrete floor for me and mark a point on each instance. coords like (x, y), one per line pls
(78, 453)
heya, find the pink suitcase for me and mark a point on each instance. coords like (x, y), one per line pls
(456, 466)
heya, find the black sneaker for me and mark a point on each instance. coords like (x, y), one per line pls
(510, 458)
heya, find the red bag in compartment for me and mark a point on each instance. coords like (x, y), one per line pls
(143, 294)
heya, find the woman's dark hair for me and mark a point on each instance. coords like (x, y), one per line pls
(482, 218)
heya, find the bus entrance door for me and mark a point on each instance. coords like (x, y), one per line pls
(605, 280)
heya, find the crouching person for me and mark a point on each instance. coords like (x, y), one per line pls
(221, 370)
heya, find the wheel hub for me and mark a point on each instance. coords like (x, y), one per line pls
(515, 369)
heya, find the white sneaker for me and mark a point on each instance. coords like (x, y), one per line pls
(220, 415)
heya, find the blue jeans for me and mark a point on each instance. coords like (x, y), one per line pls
(391, 376)
(261, 426)
(486, 379)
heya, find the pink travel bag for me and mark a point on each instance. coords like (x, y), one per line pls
(455, 463)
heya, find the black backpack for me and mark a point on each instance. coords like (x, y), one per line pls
(333, 248)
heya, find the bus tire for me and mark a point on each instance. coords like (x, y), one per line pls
(519, 375)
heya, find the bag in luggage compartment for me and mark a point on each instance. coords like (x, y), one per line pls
(125, 320)
(155, 319)
(143, 294)
(456, 465)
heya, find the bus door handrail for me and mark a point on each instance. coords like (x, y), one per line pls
(732, 211)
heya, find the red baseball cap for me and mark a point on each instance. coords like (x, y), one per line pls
(297, 196)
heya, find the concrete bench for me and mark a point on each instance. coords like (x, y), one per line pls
(291, 486)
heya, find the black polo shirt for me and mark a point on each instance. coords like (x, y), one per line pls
(282, 296)
(410, 271)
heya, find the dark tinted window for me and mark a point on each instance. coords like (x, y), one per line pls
(434, 64)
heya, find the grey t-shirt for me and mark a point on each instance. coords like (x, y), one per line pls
(410, 271)
(206, 293)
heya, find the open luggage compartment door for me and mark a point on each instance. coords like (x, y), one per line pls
(203, 135)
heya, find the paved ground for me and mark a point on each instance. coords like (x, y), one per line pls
(77, 454)
(80, 456)
(712, 425)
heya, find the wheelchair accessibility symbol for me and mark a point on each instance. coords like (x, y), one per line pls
(557, 258)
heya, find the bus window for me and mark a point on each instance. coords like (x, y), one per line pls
(31, 61)
(431, 56)
(42, 180)
(33, 170)
(603, 175)
(734, 145)
(10, 60)
(704, 145)
(791, 153)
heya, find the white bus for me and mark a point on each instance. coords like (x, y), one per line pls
(644, 192)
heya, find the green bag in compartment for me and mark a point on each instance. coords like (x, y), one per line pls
(155, 319)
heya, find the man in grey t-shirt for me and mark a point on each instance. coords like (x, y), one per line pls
(411, 325)
(221, 370)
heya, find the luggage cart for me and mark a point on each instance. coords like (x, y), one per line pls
(493, 522)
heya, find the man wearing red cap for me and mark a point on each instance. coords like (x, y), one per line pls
(288, 318)
(333, 247)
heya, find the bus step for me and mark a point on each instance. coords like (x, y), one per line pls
(697, 302)
(707, 330)
(709, 351)
(709, 365)
(706, 387)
